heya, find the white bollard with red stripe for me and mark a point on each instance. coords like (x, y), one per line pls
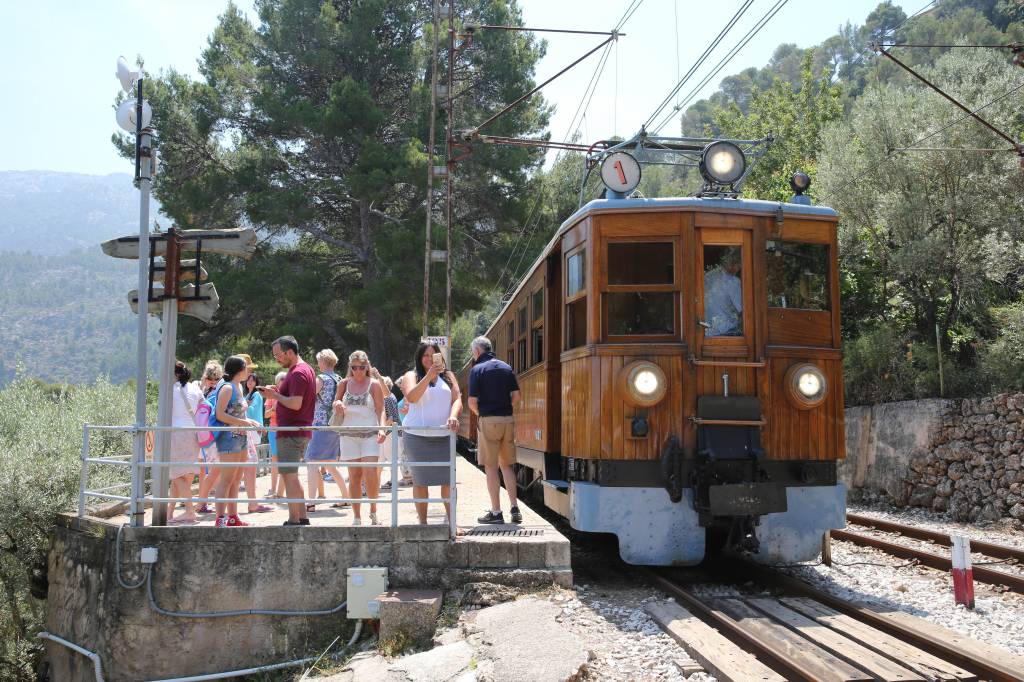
(963, 577)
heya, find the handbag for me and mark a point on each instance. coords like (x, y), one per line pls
(200, 417)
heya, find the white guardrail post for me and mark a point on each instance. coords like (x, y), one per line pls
(452, 527)
(83, 484)
(394, 475)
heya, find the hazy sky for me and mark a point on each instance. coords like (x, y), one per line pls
(60, 55)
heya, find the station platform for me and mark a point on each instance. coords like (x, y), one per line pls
(277, 589)
(533, 545)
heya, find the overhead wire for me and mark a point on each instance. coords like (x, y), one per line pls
(750, 35)
(592, 85)
(585, 100)
(700, 61)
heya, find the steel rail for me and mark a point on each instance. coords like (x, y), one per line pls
(981, 573)
(779, 660)
(980, 546)
(991, 670)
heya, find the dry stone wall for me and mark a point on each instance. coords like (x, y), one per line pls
(966, 458)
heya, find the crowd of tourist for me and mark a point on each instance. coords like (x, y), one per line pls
(362, 400)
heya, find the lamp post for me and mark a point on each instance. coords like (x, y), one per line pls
(135, 117)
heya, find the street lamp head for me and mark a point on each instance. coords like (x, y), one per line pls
(126, 115)
(126, 75)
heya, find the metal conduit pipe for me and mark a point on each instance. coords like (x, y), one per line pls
(228, 614)
(97, 664)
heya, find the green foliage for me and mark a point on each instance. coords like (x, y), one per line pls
(40, 465)
(1002, 361)
(311, 125)
(795, 116)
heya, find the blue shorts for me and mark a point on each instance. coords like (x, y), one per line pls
(231, 441)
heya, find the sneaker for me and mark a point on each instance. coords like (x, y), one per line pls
(221, 522)
(235, 522)
(292, 523)
(374, 521)
(303, 522)
(386, 486)
(517, 516)
(328, 478)
(205, 509)
(405, 483)
(491, 517)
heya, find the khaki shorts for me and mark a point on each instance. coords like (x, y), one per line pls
(497, 441)
(290, 449)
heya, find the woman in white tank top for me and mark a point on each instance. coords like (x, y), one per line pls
(432, 394)
(360, 401)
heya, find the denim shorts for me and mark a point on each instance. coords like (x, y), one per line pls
(231, 441)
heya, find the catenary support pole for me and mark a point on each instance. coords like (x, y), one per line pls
(450, 151)
(145, 143)
(431, 141)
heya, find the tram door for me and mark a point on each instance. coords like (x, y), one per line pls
(724, 295)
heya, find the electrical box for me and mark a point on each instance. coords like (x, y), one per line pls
(365, 584)
(148, 555)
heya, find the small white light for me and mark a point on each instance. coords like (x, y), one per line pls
(126, 114)
(645, 382)
(809, 384)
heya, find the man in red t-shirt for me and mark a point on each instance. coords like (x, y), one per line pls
(296, 402)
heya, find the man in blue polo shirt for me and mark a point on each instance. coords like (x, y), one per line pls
(492, 391)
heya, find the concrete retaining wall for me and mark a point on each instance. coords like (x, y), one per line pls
(210, 569)
(960, 456)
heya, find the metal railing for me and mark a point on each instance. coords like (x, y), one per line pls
(136, 503)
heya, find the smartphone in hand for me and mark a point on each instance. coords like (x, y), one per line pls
(439, 359)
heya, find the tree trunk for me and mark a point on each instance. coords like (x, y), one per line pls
(12, 599)
(376, 324)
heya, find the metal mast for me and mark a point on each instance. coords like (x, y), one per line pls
(430, 171)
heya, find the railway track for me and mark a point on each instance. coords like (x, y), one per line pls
(985, 574)
(809, 634)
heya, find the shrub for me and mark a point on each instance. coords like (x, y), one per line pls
(40, 449)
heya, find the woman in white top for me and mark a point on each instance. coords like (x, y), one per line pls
(185, 397)
(432, 394)
(360, 402)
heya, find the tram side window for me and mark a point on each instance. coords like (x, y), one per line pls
(797, 275)
(576, 323)
(637, 313)
(510, 336)
(537, 331)
(723, 291)
(576, 300)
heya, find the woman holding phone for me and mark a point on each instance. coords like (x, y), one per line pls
(432, 394)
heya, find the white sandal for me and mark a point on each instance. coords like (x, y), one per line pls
(373, 519)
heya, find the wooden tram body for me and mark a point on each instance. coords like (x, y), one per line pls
(731, 449)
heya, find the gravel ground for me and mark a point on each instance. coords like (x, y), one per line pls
(1007, 532)
(623, 642)
(998, 616)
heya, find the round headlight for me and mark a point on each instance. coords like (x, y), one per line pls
(800, 182)
(722, 163)
(642, 383)
(806, 385)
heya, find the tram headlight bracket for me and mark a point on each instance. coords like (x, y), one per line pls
(642, 383)
(806, 385)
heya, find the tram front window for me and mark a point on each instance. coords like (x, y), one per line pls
(797, 275)
(723, 291)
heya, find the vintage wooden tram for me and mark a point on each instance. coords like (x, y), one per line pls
(681, 371)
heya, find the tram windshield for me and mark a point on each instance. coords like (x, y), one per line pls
(723, 291)
(797, 275)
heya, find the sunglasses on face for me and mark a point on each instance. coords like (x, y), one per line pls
(359, 367)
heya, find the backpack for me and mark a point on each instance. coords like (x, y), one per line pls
(200, 417)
